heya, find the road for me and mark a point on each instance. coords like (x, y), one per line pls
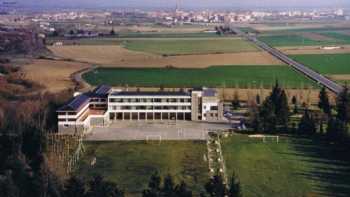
(317, 77)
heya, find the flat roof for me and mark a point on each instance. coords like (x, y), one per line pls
(142, 93)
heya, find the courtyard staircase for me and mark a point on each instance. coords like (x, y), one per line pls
(215, 158)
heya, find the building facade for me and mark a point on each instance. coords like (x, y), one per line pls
(104, 105)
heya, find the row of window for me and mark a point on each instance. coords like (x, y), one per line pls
(145, 100)
(212, 108)
(67, 120)
(150, 108)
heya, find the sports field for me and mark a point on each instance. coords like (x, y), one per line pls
(215, 76)
(190, 46)
(293, 167)
(130, 164)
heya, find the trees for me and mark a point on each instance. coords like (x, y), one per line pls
(166, 189)
(99, 187)
(234, 187)
(236, 103)
(307, 124)
(323, 103)
(215, 187)
(343, 106)
(274, 111)
(74, 187)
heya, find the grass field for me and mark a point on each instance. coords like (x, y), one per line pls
(188, 46)
(215, 76)
(294, 167)
(294, 40)
(130, 164)
(332, 64)
(117, 56)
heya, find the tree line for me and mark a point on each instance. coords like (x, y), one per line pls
(273, 115)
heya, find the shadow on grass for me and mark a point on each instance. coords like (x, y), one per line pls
(328, 166)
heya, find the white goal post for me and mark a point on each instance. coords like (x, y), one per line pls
(264, 137)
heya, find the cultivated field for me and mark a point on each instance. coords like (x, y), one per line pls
(54, 75)
(293, 167)
(116, 56)
(190, 46)
(215, 76)
(184, 160)
(294, 40)
(313, 50)
(335, 66)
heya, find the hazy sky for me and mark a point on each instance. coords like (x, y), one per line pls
(190, 3)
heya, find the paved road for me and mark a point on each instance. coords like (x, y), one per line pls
(319, 78)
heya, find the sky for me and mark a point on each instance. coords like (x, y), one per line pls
(188, 3)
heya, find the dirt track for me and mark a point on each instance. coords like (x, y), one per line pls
(116, 56)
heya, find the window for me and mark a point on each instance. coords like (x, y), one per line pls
(214, 108)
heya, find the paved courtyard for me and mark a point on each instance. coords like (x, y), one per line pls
(180, 130)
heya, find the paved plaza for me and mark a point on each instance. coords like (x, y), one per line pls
(133, 130)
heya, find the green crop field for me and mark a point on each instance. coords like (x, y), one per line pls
(293, 167)
(292, 40)
(215, 76)
(326, 63)
(167, 35)
(189, 46)
(343, 38)
(130, 164)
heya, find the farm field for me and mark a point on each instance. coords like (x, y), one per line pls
(293, 167)
(117, 56)
(189, 46)
(336, 66)
(184, 160)
(55, 76)
(295, 40)
(215, 76)
(300, 50)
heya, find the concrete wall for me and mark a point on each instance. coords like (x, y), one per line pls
(97, 121)
(70, 129)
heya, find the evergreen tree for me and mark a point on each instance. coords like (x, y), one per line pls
(343, 106)
(268, 116)
(307, 124)
(234, 187)
(99, 187)
(282, 110)
(74, 187)
(323, 103)
(336, 130)
(215, 187)
(295, 103)
(181, 190)
(236, 103)
(154, 186)
(258, 99)
(168, 186)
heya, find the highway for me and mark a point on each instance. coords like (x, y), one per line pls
(317, 77)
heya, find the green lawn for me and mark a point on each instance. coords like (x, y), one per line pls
(130, 164)
(215, 76)
(326, 63)
(293, 167)
(190, 46)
